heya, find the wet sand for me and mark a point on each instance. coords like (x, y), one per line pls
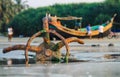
(90, 50)
(90, 46)
(85, 69)
(104, 42)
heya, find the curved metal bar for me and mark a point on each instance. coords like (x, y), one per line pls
(21, 47)
(64, 41)
(39, 33)
(61, 37)
(28, 44)
(68, 40)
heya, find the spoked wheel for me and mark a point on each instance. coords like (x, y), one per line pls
(116, 36)
(109, 36)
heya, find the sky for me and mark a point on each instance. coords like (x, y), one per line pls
(41, 3)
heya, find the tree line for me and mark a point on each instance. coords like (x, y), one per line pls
(8, 9)
(29, 21)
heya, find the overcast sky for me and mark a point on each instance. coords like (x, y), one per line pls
(39, 3)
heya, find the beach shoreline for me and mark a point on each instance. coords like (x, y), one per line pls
(104, 42)
(94, 65)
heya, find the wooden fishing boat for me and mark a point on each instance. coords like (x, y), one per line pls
(67, 32)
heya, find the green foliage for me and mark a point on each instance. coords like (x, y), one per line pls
(101, 18)
(113, 2)
(30, 21)
(23, 23)
(8, 9)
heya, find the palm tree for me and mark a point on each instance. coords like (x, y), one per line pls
(6, 12)
(20, 6)
(8, 9)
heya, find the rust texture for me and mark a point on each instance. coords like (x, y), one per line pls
(46, 50)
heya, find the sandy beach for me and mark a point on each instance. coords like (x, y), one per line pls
(103, 41)
(92, 51)
(89, 44)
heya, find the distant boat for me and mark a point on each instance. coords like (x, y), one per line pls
(67, 32)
